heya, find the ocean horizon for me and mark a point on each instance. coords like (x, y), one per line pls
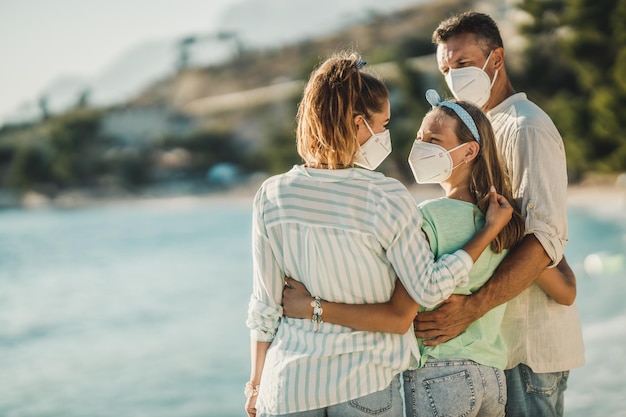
(138, 308)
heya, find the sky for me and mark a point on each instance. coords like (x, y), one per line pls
(42, 40)
(47, 44)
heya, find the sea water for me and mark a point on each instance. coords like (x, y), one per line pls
(138, 309)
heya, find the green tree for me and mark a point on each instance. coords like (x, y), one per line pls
(76, 148)
(596, 43)
(29, 166)
(207, 148)
(547, 69)
(279, 134)
(575, 69)
(408, 107)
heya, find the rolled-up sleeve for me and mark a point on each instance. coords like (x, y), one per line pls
(539, 181)
(264, 309)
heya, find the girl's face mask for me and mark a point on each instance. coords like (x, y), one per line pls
(430, 163)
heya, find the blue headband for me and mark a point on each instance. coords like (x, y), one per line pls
(433, 98)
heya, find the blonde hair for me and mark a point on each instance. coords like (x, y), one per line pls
(487, 169)
(336, 92)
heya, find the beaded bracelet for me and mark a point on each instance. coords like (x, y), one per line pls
(317, 313)
(251, 390)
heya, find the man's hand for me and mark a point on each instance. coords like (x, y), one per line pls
(296, 300)
(449, 320)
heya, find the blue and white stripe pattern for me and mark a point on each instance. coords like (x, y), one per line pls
(346, 235)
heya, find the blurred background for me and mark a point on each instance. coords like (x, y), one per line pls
(133, 136)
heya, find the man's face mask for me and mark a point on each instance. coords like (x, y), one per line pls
(471, 83)
(374, 151)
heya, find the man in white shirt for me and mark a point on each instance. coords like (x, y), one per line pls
(544, 338)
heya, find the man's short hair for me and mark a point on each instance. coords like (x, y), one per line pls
(479, 24)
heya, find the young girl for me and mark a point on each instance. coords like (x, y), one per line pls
(455, 147)
(328, 219)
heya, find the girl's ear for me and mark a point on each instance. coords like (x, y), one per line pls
(472, 151)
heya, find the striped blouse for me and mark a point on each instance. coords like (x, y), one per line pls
(346, 235)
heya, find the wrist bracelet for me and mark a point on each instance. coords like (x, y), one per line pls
(317, 313)
(251, 390)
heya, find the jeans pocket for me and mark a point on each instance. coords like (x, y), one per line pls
(544, 384)
(501, 381)
(452, 395)
(375, 403)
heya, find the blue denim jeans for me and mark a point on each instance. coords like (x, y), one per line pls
(385, 403)
(454, 388)
(535, 395)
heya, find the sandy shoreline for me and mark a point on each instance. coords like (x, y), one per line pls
(606, 201)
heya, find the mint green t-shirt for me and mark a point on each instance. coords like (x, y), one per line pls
(450, 224)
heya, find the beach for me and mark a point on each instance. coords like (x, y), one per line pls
(604, 200)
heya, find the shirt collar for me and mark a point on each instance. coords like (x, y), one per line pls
(335, 175)
(507, 103)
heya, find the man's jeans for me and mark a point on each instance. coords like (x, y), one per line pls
(454, 387)
(535, 395)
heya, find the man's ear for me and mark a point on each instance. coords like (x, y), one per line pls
(498, 58)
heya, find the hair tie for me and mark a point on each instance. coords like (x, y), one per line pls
(433, 98)
(359, 64)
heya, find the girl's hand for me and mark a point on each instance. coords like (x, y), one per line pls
(499, 212)
(296, 300)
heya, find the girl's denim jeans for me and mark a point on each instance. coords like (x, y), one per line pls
(454, 388)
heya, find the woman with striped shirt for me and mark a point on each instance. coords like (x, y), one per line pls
(326, 219)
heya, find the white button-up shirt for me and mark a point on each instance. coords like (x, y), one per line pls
(538, 332)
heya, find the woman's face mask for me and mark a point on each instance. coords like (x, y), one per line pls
(471, 83)
(430, 163)
(374, 151)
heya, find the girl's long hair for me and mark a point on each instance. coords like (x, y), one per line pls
(488, 170)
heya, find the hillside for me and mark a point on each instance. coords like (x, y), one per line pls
(382, 37)
(238, 116)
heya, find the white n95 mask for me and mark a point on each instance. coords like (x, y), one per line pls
(471, 83)
(430, 163)
(373, 152)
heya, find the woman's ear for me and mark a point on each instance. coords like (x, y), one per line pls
(357, 120)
